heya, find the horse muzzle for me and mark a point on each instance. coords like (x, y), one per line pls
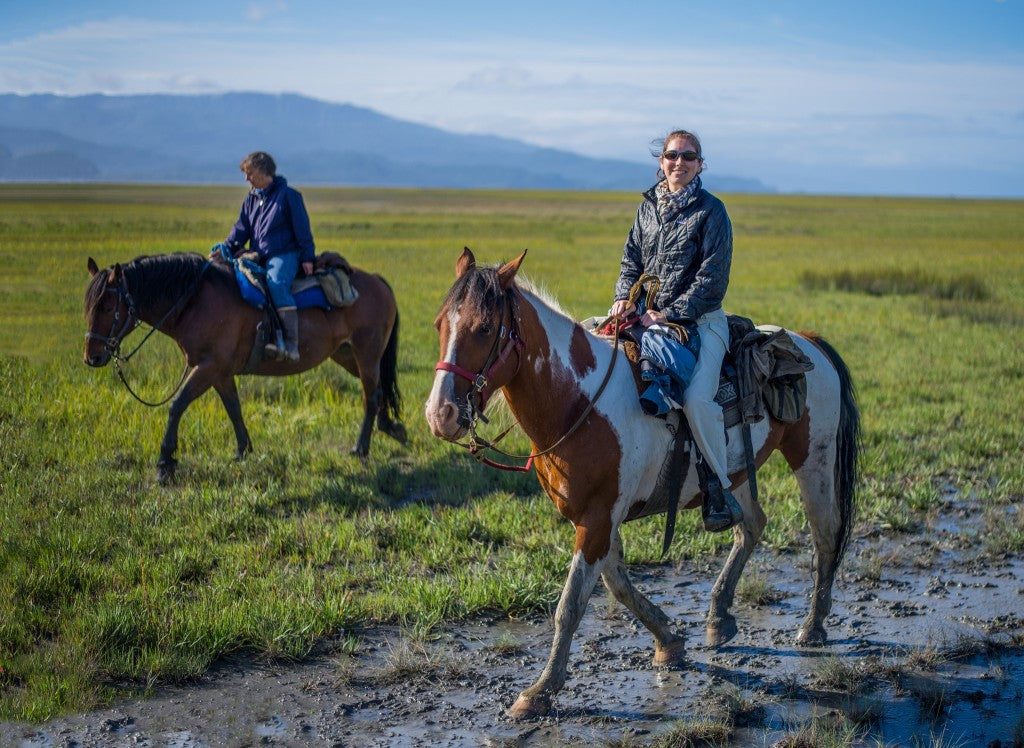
(98, 359)
(446, 420)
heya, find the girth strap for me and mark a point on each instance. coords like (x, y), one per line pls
(678, 467)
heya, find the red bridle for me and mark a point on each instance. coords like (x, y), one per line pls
(481, 381)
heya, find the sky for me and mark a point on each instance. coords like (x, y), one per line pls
(887, 97)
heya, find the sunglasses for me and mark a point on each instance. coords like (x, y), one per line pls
(684, 155)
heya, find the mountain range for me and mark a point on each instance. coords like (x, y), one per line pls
(199, 139)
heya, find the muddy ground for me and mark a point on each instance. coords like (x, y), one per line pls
(926, 649)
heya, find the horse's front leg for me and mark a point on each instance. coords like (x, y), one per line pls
(535, 701)
(196, 383)
(229, 397)
(721, 624)
(669, 646)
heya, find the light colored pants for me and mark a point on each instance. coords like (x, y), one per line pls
(281, 271)
(703, 413)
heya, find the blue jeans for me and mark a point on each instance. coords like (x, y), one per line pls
(281, 271)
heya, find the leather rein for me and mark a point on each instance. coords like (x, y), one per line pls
(481, 384)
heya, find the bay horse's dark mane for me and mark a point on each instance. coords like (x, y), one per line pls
(153, 280)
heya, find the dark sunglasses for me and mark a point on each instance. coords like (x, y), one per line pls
(684, 155)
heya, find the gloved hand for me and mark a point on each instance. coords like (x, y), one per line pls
(222, 249)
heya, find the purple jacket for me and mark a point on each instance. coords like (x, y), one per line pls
(274, 223)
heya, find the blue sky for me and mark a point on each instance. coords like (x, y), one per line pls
(874, 97)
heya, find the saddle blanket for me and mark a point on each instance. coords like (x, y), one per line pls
(331, 273)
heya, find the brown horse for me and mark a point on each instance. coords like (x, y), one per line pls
(600, 457)
(198, 304)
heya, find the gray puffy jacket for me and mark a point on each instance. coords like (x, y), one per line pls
(691, 254)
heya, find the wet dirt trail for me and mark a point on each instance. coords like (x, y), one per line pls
(926, 644)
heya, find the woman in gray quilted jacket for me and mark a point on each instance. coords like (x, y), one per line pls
(682, 235)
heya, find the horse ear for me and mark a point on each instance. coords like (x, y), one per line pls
(508, 271)
(465, 262)
(115, 273)
(93, 267)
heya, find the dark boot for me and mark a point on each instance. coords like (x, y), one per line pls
(720, 509)
(290, 327)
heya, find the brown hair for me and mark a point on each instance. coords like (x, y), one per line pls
(658, 147)
(658, 144)
(261, 162)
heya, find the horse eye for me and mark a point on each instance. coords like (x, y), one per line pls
(486, 329)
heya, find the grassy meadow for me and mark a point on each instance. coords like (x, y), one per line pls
(111, 584)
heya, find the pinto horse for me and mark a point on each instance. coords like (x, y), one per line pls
(497, 333)
(198, 304)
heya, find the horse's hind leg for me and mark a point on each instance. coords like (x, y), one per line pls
(721, 624)
(229, 397)
(817, 489)
(669, 646)
(367, 373)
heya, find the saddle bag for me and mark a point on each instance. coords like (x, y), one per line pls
(338, 291)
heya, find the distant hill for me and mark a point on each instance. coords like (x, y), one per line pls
(200, 139)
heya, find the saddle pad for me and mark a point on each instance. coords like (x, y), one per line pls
(306, 291)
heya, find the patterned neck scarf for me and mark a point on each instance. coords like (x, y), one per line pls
(670, 203)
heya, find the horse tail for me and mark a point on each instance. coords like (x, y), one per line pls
(392, 404)
(847, 445)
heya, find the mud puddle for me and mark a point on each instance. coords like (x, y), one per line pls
(925, 648)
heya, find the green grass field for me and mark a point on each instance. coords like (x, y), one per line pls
(110, 583)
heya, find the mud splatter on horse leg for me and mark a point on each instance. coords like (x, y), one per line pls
(721, 624)
(817, 488)
(535, 701)
(669, 646)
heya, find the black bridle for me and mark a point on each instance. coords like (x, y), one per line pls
(112, 340)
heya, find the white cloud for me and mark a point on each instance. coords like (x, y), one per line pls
(809, 104)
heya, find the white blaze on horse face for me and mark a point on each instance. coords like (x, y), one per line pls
(441, 409)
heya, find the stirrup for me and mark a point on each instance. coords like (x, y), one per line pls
(725, 516)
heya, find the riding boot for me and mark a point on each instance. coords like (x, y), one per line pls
(290, 329)
(290, 323)
(720, 508)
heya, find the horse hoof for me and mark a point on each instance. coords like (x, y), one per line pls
(811, 636)
(397, 432)
(164, 474)
(671, 654)
(720, 631)
(527, 707)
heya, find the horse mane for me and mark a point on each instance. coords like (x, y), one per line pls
(529, 286)
(153, 280)
(481, 288)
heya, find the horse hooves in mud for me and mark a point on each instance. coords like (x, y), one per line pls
(811, 636)
(720, 630)
(529, 707)
(670, 655)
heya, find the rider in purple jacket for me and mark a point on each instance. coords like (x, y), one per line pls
(274, 222)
